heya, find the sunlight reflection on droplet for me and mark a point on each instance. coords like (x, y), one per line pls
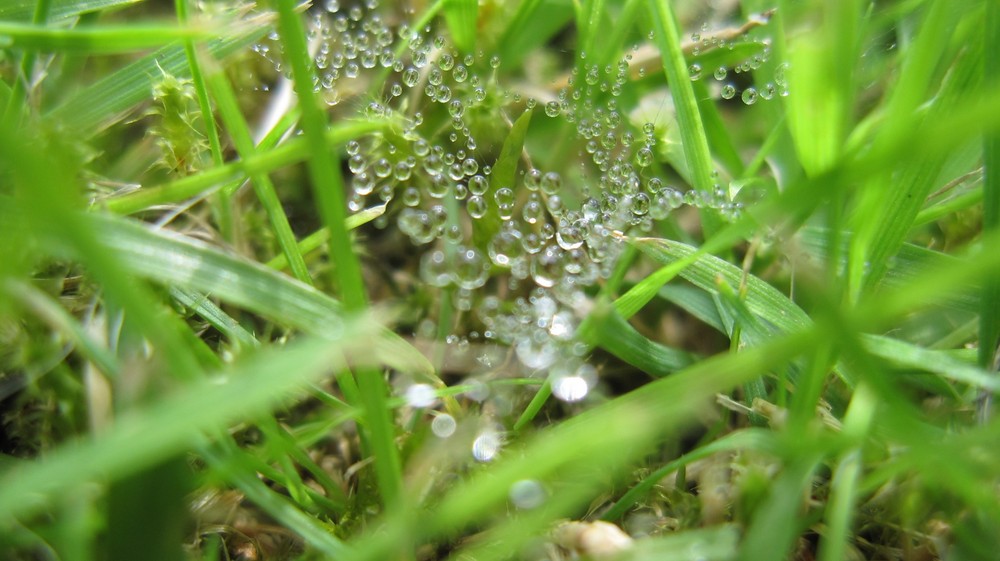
(420, 395)
(486, 446)
(443, 425)
(527, 494)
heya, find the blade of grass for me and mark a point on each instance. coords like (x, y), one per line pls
(821, 74)
(60, 320)
(746, 439)
(108, 39)
(328, 190)
(22, 10)
(317, 239)
(504, 175)
(689, 120)
(462, 16)
(239, 132)
(230, 463)
(173, 260)
(291, 152)
(145, 436)
(618, 337)
(534, 23)
(102, 104)
(989, 317)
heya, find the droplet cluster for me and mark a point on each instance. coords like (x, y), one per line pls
(514, 256)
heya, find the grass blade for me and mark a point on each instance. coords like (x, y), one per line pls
(59, 10)
(692, 129)
(989, 318)
(174, 423)
(97, 40)
(177, 261)
(103, 103)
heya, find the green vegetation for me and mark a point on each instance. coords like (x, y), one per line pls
(474, 279)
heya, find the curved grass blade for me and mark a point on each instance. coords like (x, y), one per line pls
(22, 10)
(143, 437)
(96, 40)
(174, 260)
(101, 104)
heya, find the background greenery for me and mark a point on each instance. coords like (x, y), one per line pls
(201, 355)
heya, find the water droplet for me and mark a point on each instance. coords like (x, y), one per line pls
(728, 91)
(527, 494)
(644, 157)
(505, 247)
(570, 388)
(749, 96)
(720, 73)
(504, 197)
(356, 163)
(478, 185)
(476, 206)
(471, 270)
(495, 61)
(695, 71)
(768, 91)
(551, 183)
(546, 268)
(536, 354)
(552, 109)
(486, 446)
(420, 395)
(443, 425)
(434, 269)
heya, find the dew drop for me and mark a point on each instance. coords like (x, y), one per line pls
(527, 494)
(420, 395)
(749, 96)
(471, 270)
(695, 71)
(443, 425)
(476, 206)
(434, 269)
(504, 197)
(720, 73)
(552, 109)
(486, 446)
(728, 91)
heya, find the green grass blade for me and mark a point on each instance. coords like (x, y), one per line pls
(777, 522)
(231, 464)
(318, 239)
(59, 10)
(504, 175)
(177, 261)
(462, 16)
(746, 439)
(103, 103)
(239, 132)
(146, 436)
(821, 75)
(989, 319)
(97, 40)
(534, 23)
(291, 152)
(615, 335)
(762, 299)
(328, 190)
(692, 129)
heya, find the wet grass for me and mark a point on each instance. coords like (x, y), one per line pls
(372, 282)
